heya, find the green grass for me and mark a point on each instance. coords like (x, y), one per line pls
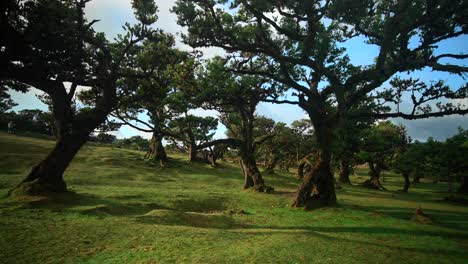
(126, 210)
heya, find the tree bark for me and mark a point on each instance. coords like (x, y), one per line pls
(318, 184)
(374, 172)
(47, 175)
(252, 177)
(407, 182)
(192, 152)
(344, 171)
(287, 165)
(156, 150)
(300, 169)
(248, 180)
(270, 168)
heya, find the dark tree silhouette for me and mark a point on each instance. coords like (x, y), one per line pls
(49, 45)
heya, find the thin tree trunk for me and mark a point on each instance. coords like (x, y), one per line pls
(270, 168)
(407, 182)
(47, 175)
(287, 165)
(248, 180)
(300, 169)
(192, 152)
(450, 183)
(344, 171)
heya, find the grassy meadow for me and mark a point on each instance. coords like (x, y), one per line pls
(126, 210)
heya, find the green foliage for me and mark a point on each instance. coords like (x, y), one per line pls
(193, 129)
(35, 121)
(281, 148)
(441, 160)
(380, 143)
(135, 142)
(103, 138)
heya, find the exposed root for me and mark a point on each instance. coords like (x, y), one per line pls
(262, 188)
(31, 188)
(373, 184)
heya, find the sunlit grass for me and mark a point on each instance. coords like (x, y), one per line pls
(126, 210)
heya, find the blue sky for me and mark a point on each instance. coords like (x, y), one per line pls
(114, 13)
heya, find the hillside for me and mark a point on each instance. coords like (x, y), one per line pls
(126, 210)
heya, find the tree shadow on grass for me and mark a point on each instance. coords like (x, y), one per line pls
(320, 232)
(448, 219)
(125, 206)
(85, 204)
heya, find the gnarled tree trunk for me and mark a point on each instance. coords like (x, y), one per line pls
(304, 166)
(156, 150)
(47, 175)
(318, 184)
(270, 166)
(407, 182)
(300, 169)
(253, 177)
(374, 172)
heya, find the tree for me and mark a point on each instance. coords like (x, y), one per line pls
(298, 44)
(236, 98)
(193, 132)
(135, 142)
(280, 148)
(150, 88)
(411, 161)
(302, 130)
(105, 138)
(457, 148)
(379, 146)
(49, 45)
